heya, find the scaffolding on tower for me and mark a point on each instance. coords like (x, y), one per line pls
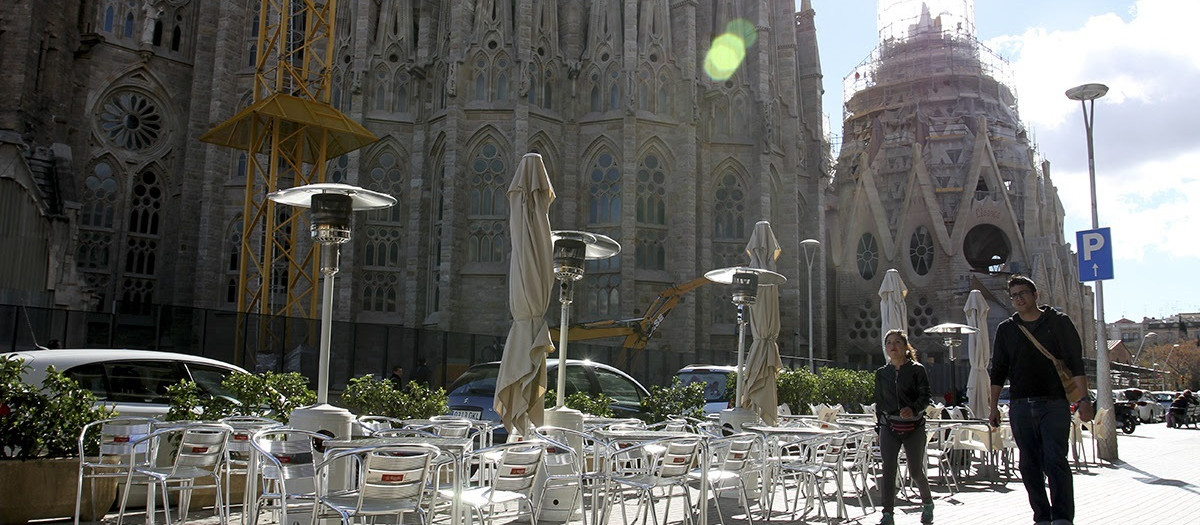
(289, 133)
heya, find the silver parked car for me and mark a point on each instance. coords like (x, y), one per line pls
(473, 393)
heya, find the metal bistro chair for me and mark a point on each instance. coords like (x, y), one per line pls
(238, 451)
(564, 471)
(370, 425)
(286, 461)
(390, 481)
(857, 465)
(116, 454)
(199, 455)
(738, 458)
(645, 466)
(509, 481)
(939, 447)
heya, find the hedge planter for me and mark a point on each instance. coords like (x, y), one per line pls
(45, 488)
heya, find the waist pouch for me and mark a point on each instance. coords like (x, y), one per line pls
(901, 427)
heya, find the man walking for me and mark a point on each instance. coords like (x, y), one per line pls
(1039, 412)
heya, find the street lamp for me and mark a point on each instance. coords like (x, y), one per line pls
(1167, 366)
(810, 251)
(1143, 343)
(1087, 94)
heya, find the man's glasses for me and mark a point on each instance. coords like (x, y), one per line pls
(1022, 293)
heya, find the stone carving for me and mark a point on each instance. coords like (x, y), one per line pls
(151, 14)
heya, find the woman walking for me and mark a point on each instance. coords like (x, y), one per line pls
(901, 396)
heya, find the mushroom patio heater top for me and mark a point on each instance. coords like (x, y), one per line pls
(951, 337)
(745, 282)
(572, 249)
(332, 205)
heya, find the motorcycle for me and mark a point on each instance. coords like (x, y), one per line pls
(1127, 415)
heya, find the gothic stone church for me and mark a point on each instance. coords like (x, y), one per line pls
(110, 201)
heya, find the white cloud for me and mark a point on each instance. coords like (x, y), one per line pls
(1147, 128)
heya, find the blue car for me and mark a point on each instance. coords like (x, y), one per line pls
(473, 393)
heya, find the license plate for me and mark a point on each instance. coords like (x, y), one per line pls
(469, 414)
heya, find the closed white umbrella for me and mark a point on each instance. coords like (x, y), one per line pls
(979, 351)
(763, 363)
(521, 383)
(893, 312)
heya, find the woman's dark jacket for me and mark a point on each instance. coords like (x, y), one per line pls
(896, 388)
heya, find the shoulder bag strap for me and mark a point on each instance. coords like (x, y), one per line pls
(1038, 344)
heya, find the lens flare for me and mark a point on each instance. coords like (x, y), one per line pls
(724, 56)
(744, 29)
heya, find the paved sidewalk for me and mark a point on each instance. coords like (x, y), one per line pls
(1157, 482)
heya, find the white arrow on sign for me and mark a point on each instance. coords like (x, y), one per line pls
(1095, 269)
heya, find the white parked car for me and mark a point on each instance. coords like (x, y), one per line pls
(1148, 408)
(714, 378)
(134, 382)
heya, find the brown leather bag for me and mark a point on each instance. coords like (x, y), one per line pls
(1074, 394)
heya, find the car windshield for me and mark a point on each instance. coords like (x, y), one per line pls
(714, 384)
(476, 381)
(210, 378)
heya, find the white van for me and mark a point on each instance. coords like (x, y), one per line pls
(134, 382)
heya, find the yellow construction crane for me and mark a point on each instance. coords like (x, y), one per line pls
(637, 331)
(289, 133)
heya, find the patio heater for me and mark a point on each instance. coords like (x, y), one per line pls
(952, 337)
(745, 282)
(572, 250)
(332, 205)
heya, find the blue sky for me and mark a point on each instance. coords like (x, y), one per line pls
(1147, 128)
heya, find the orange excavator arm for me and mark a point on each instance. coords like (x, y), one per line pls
(637, 331)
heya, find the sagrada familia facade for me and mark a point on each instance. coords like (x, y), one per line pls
(109, 201)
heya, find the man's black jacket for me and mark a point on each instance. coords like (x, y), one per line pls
(1029, 373)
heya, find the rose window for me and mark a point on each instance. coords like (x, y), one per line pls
(131, 120)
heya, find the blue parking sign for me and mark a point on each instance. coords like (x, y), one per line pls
(1095, 254)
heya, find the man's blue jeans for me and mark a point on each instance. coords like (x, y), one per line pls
(1041, 426)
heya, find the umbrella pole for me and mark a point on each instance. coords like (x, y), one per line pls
(565, 297)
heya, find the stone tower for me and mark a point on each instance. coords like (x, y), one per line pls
(641, 142)
(938, 178)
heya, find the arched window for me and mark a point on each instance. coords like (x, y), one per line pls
(437, 199)
(604, 191)
(614, 90)
(868, 256)
(142, 240)
(383, 238)
(729, 209)
(603, 293)
(176, 38)
(920, 250)
(233, 258)
(651, 214)
(481, 79)
(488, 212)
(729, 238)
